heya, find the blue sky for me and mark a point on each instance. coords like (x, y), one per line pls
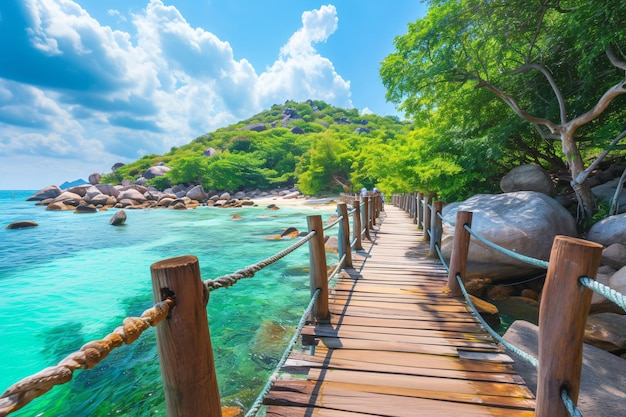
(88, 83)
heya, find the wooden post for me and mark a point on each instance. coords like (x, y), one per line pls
(184, 341)
(373, 203)
(356, 225)
(436, 228)
(366, 218)
(420, 210)
(318, 275)
(344, 233)
(426, 218)
(562, 317)
(415, 207)
(460, 248)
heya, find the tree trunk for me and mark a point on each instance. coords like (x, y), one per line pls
(586, 201)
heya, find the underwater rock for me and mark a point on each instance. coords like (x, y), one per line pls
(22, 224)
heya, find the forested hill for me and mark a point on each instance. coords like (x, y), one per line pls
(319, 147)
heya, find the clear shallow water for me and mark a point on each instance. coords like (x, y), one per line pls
(74, 278)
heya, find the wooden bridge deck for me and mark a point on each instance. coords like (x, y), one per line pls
(397, 345)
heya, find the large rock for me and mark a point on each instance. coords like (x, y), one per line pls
(51, 191)
(614, 256)
(132, 194)
(95, 178)
(605, 192)
(81, 190)
(525, 222)
(603, 377)
(197, 193)
(155, 171)
(606, 331)
(22, 224)
(119, 218)
(609, 230)
(528, 177)
(69, 198)
(255, 127)
(108, 189)
(209, 152)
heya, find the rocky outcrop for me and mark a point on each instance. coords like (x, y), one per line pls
(51, 191)
(528, 177)
(209, 152)
(132, 194)
(68, 198)
(525, 222)
(197, 193)
(255, 127)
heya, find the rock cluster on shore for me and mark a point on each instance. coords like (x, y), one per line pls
(89, 198)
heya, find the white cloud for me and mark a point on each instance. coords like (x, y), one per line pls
(366, 110)
(98, 91)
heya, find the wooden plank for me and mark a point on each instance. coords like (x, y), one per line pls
(409, 331)
(343, 397)
(395, 322)
(390, 346)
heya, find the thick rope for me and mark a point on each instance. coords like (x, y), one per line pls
(529, 358)
(443, 261)
(266, 389)
(608, 292)
(228, 280)
(569, 404)
(89, 355)
(333, 224)
(338, 267)
(536, 262)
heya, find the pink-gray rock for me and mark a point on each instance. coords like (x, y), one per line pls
(108, 189)
(606, 331)
(81, 190)
(224, 196)
(528, 177)
(68, 198)
(209, 152)
(609, 230)
(605, 192)
(292, 195)
(131, 194)
(95, 178)
(155, 171)
(119, 218)
(51, 191)
(85, 208)
(525, 222)
(197, 193)
(614, 256)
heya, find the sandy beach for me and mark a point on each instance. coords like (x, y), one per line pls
(296, 202)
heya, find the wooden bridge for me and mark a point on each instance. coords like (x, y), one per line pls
(397, 345)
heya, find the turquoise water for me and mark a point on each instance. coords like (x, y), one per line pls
(74, 278)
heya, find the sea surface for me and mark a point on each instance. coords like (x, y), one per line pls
(74, 278)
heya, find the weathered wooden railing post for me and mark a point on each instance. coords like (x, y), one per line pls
(420, 210)
(344, 234)
(366, 217)
(356, 225)
(427, 218)
(460, 249)
(436, 228)
(562, 317)
(373, 205)
(318, 275)
(184, 340)
(416, 206)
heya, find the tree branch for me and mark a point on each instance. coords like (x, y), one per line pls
(601, 105)
(585, 174)
(557, 91)
(615, 60)
(512, 103)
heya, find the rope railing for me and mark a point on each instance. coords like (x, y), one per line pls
(167, 277)
(89, 355)
(584, 280)
(249, 271)
(254, 409)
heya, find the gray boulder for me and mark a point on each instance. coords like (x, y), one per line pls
(51, 191)
(605, 192)
(525, 222)
(297, 130)
(155, 171)
(255, 127)
(197, 193)
(609, 230)
(85, 208)
(81, 190)
(209, 152)
(528, 177)
(131, 194)
(69, 198)
(116, 166)
(108, 189)
(614, 256)
(22, 224)
(95, 178)
(119, 218)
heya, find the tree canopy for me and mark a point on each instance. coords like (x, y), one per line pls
(516, 78)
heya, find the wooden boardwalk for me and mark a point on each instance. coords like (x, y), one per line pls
(397, 345)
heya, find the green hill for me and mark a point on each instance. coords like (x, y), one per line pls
(319, 147)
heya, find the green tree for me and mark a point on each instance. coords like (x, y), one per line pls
(557, 65)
